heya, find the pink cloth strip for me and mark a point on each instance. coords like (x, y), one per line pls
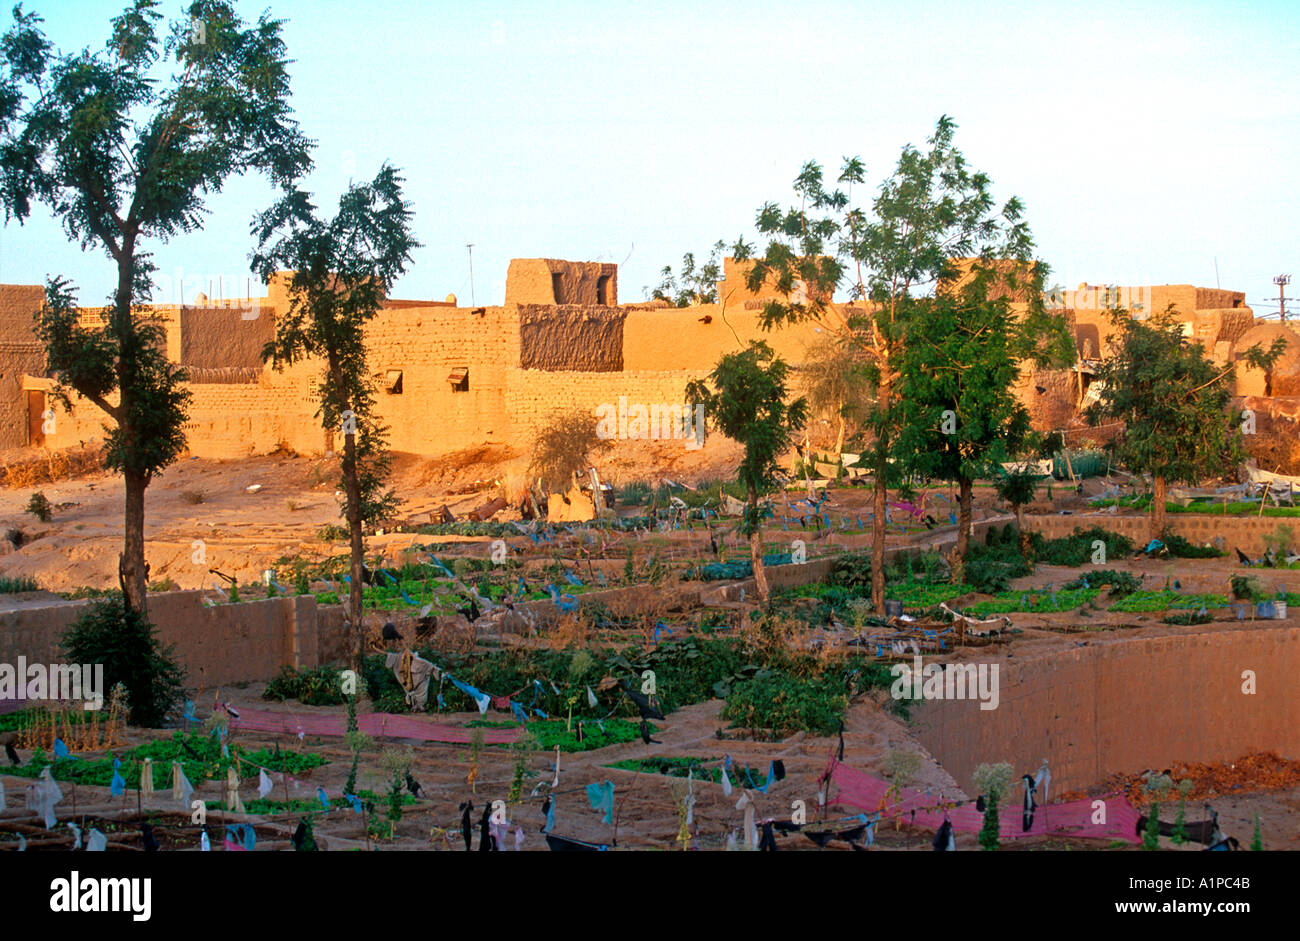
(372, 723)
(1072, 818)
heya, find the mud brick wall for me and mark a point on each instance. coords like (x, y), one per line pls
(217, 645)
(333, 643)
(232, 420)
(679, 338)
(216, 337)
(17, 358)
(1245, 532)
(20, 352)
(581, 339)
(533, 394)
(1125, 706)
(426, 344)
(85, 422)
(554, 281)
(34, 632)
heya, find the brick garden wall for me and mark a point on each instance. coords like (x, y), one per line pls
(218, 645)
(1126, 705)
(1245, 532)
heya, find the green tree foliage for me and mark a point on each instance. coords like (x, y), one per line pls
(1017, 488)
(747, 403)
(1151, 833)
(125, 144)
(127, 645)
(39, 507)
(691, 285)
(960, 418)
(988, 836)
(931, 210)
(342, 270)
(1173, 403)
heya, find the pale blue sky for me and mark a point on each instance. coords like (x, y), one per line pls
(1145, 139)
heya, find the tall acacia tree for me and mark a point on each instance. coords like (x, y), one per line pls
(124, 145)
(1173, 402)
(931, 210)
(748, 404)
(342, 269)
(964, 353)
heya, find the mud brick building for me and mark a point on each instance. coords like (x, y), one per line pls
(451, 377)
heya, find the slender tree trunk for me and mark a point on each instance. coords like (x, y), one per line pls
(964, 489)
(878, 534)
(352, 491)
(352, 488)
(756, 549)
(883, 402)
(1157, 505)
(133, 571)
(807, 463)
(1022, 536)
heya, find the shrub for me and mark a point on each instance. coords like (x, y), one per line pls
(1151, 833)
(1180, 548)
(787, 704)
(10, 584)
(992, 780)
(851, 570)
(194, 497)
(564, 446)
(1245, 588)
(1279, 542)
(1076, 549)
(634, 493)
(39, 507)
(989, 830)
(1121, 583)
(990, 569)
(127, 645)
(321, 686)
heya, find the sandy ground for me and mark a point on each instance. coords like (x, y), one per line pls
(646, 804)
(244, 533)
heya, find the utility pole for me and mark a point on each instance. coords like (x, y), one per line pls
(1282, 281)
(470, 248)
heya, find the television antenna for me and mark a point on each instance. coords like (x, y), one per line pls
(469, 246)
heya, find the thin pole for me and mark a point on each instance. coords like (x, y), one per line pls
(470, 248)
